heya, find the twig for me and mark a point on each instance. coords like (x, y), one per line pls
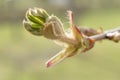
(40, 23)
(105, 35)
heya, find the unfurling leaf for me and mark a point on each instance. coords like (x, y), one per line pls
(53, 28)
(40, 23)
(33, 28)
(35, 21)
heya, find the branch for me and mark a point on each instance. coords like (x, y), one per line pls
(113, 34)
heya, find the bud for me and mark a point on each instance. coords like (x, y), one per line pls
(38, 22)
(35, 21)
(114, 36)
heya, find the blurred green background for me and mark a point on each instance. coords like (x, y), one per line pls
(22, 55)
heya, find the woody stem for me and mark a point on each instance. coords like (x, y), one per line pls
(103, 35)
